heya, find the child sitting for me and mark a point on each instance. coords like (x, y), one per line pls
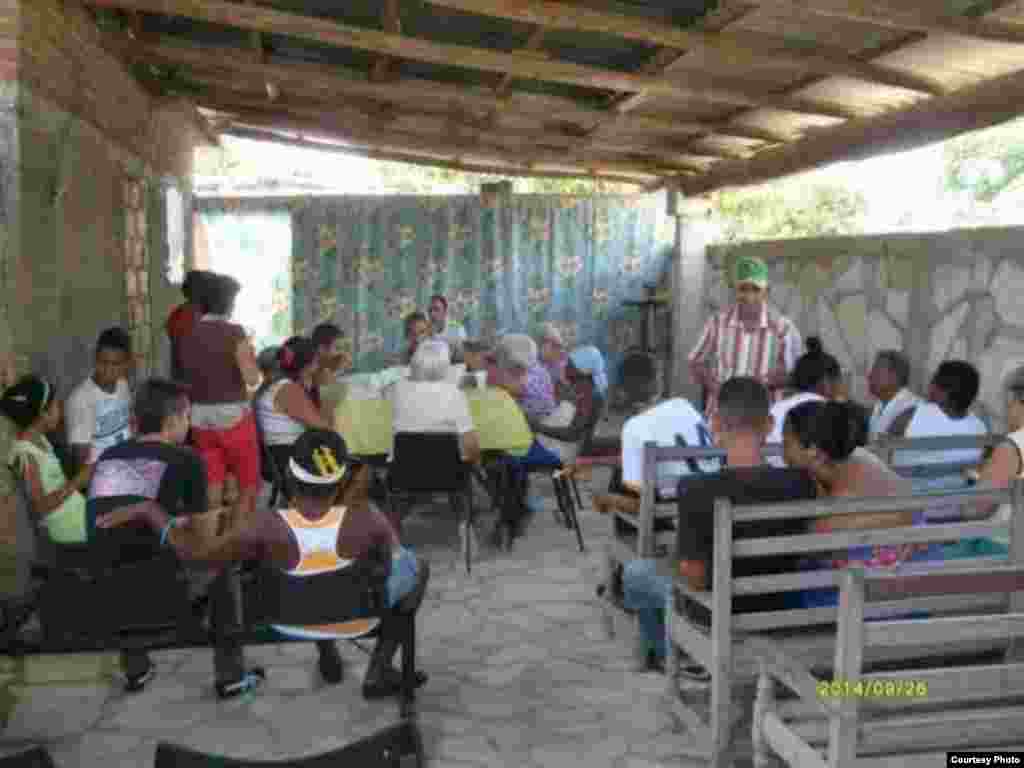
(58, 503)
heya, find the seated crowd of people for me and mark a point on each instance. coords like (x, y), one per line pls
(144, 464)
(824, 438)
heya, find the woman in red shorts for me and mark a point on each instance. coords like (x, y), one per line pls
(220, 369)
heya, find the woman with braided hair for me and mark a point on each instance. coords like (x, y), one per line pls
(320, 533)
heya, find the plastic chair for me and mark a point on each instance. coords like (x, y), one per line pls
(384, 749)
(429, 463)
(270, 469)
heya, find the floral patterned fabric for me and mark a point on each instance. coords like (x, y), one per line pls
(366, 262)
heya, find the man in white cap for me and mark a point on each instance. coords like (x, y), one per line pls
(750, 338)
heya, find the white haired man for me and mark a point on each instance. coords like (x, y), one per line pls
(429, 401)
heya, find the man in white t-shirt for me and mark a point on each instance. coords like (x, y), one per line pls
(98, 411)
(430, 402)
(670, 423)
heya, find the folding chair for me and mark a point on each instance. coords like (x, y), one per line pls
(384, 749)
(428, 463)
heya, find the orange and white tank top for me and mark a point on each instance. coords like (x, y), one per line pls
(318, 554)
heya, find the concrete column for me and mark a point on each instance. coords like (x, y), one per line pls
(694, 232)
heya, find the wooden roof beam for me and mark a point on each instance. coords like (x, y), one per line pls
(301, 77)
(895, 15)
(556, 14)
(400, 157)
(391, 21)
(968, 109)
(393, 139)
(519, 64)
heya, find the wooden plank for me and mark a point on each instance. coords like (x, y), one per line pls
(951, 581)
(822, 542)
(827, 507)
(989, 103)
(809, 617)
(645, 517)
(693, 641)
(1016, 650)
(790, 673)
(787, 582)
(946, 629)
(951, 684)
(410, 142)
(400, 157)
(900, 16)
(733, 45)
(849, 658)
(390, 22)
(721, 631)
(683, 587)
(521, 65)
(306, 78)
(790, 747)
(945, 443)
(953, 729)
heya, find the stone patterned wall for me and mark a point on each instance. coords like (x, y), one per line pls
(935, 296)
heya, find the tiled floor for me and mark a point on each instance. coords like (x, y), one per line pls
(521, 674)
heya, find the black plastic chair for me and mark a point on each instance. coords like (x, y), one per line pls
(353, 598)
(384, 749)
(427, 464)
(37, 757)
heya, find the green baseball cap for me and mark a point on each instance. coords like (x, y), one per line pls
(751, 270)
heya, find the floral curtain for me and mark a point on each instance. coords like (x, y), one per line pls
(365, 263)
(509, 264)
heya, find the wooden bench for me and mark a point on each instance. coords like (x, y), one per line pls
(897, 717)
(634, 535)
(808, 634)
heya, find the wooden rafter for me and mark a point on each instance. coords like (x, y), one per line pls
(519, 64)
(307, 78)
(742, 46)
(370, 133)
(969, 109)
(405, 157)
(895, 15)
(390, 22)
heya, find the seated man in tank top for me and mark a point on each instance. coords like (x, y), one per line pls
(951, 394)
(322, 532)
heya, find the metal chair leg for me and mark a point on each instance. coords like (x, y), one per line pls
(576, 491)
(559, 510)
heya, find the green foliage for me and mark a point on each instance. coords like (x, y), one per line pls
(788, 209)
(984, 164)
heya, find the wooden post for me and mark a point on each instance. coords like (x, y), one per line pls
(763, 704)
(1015, 650)
(842, 725)
(645, 518)
(721, 633)
(689, 266)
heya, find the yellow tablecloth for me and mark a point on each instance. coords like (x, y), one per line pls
(366, 424)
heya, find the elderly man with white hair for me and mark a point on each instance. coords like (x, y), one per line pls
(429, 401)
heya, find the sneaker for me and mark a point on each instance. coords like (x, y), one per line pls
(135, 683)
(249, 681)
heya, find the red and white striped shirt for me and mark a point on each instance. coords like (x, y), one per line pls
(736, 351)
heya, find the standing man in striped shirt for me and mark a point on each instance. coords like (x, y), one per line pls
(749, 338)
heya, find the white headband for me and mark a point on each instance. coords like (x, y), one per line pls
(306, 477)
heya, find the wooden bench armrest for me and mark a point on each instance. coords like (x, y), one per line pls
(790, 672)
(702, 597)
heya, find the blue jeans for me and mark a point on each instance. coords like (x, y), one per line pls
(647, 593)
(402, 579)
